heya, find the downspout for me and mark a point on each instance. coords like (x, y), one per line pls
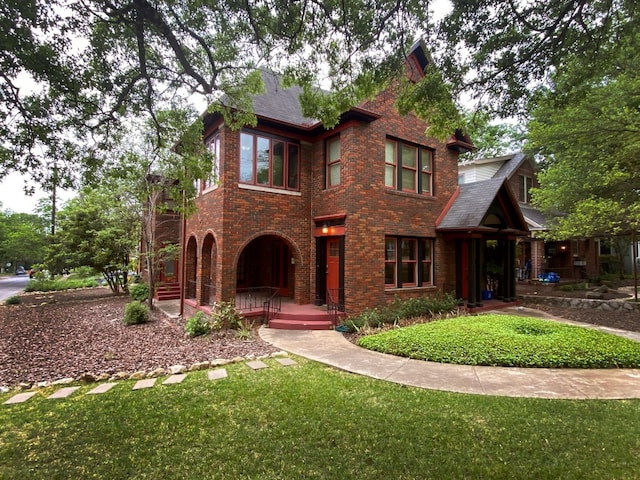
(183, 235)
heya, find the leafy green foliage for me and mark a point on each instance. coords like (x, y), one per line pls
(227, 315)
(22, 238)
(135, 313)
(42, 284)
(428, 307)
(13, 300)
(587, 135)
(198, 325)
(139, 291)
(508, 341)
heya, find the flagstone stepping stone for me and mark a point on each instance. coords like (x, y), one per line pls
(287, 362)
(103, 388)
(257, 365)
(146, 383)
(62, 393)
(217, 374)
(19, 398)
(173, 379)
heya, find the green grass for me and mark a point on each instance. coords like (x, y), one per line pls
(313, 422)
(509, 341)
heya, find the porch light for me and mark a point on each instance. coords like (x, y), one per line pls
(325, 228)
(563, 248)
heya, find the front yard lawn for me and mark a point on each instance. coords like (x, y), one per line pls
(312, 422)
(509, 341)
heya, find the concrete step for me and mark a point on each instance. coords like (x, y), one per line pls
(300, 324)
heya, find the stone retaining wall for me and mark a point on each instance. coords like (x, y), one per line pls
(608, 305)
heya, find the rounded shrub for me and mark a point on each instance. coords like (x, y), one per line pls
(198, 325)
(139, 291)
(14, 300)
(135, 313)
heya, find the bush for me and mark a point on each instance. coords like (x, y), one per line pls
(14, 300)
(139, 291)
(401, 310)
(199, 324)
(136, 313)
(48, 285)
(82, 272)
(226, 314)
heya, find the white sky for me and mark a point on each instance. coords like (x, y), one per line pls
(12, 196)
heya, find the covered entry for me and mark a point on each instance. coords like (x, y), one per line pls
(483, 221)
(266, 262)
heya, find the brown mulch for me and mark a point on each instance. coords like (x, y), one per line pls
(66, 334)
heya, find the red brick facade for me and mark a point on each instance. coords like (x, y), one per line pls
(239, 227)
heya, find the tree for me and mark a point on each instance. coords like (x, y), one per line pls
(22, 239)
(492, 138)
(587, 135)
(95, 229)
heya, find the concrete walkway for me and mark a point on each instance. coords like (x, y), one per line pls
(331, 348)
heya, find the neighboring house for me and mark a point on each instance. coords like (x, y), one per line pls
(352, 216)
(570, 259)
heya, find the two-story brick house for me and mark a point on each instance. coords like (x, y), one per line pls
(357, 214)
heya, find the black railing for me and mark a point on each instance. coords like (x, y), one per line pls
(190, 289)
(334, 305)
(265, 299)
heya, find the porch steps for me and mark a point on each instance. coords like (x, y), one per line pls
(301, 321)
(168, 291)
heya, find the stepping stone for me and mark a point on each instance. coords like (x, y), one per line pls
(103, 388)
(217, 374)
(287, 362)
(146, 383)
(173, 379)
(257, 365)
(62, 393)
(19, 398)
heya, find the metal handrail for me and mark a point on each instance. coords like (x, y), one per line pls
(208, 293)
(334, 307)
(266, 299)
(190, 289)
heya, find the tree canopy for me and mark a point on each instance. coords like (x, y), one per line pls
(588, 135)
(71, 72)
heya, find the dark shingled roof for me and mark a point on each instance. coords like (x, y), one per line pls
(510, 166)
(280, 104)
(534, 217)
(472, 203)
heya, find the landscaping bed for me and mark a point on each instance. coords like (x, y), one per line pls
(56, 335)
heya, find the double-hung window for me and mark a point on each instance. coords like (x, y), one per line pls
(408, 167)
(213, 145)
(269, 161)
(333, 161)
(408, 262)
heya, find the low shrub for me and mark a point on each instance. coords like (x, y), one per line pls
(199, 324)
(139, 291)
(13, 300)
(225, 314)
(401, 310)
(82, 272)
(572, 287)
(49, 285)
(135, 313)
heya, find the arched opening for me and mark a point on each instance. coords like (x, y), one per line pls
(191, 265)
(267, 261)
(207, 278)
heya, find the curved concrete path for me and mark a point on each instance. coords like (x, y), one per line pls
(331, 348)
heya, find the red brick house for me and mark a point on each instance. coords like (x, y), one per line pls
(570, 259)
(352, 216)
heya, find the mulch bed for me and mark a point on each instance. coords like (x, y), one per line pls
(49, 336)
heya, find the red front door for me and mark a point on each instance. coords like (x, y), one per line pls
(333, 266)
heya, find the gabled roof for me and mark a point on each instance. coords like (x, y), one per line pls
(511, 165)
(472, 204)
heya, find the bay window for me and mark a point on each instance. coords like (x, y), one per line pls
(269, 161)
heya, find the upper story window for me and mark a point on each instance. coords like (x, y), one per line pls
(213, 145)
(333, 161)
(408, 167)
(269, 161)
(525, 186)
